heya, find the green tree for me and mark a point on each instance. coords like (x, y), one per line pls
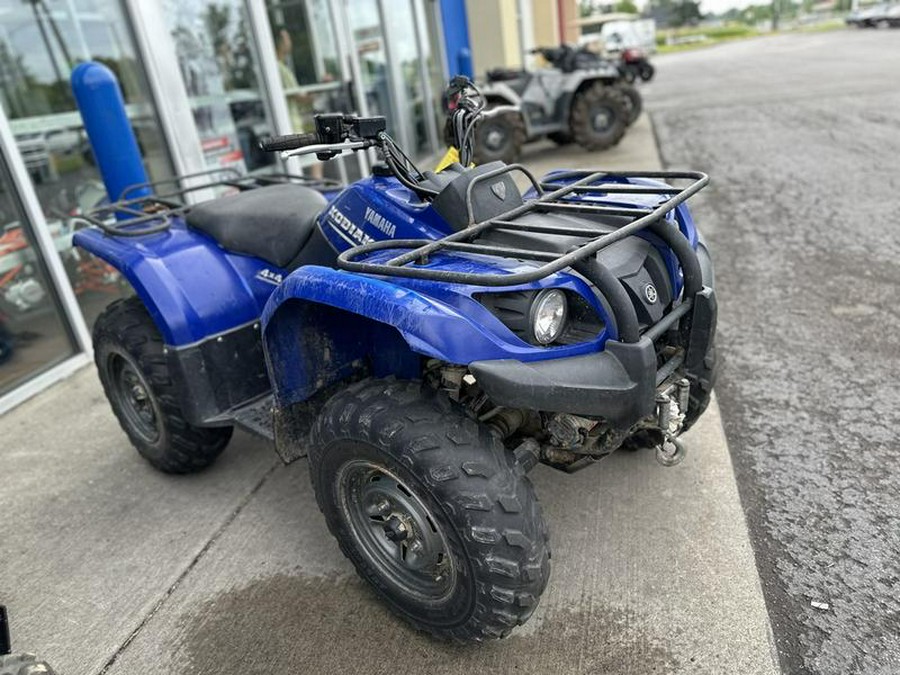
(676, 13)
(231, 47)
(626, 6)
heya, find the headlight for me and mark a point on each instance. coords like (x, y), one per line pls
(548, 315)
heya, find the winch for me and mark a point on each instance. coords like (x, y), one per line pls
(671, 408)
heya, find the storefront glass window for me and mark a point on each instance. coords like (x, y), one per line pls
(40, 42)
(411, 88)
(219, 66)
(392, 62)
(433, 59)
(33, 336)
(305, 44)
(368, 41)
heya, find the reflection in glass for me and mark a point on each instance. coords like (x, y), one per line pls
(368, 41)
(40, 42)
(218, 63)
(33, 336)
(392, 73)
(305, 44)
(407, 54)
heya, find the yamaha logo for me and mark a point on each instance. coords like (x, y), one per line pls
(650, 293)
(499, 190)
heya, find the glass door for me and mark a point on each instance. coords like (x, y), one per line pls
(395, 61)
(368, 46)
(410, 55)
(311, 70)
(217, 59)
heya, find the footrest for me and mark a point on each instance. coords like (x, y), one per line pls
(256, 418)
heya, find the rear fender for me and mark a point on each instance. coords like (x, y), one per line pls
(499, 93)
(192, 288)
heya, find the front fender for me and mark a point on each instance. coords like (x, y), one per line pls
(321, 324)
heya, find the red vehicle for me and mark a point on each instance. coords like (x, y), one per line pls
(20, 290)
(635, 64)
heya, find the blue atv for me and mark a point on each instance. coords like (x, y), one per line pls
(426, 337)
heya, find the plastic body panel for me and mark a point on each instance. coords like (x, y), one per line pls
(343, 318)
(192, 288)
(377, 208)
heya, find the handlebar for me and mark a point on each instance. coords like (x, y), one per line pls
(501, 110)
(337, 133)
(288, 142)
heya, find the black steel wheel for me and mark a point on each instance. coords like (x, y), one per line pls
(431, 509)
(131, 396)
(599, 117)
(128, 351)
(646, 72)
(499, 138)
(396, 530)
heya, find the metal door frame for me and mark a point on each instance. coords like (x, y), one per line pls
(45, 247)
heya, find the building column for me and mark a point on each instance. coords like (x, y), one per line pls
(494, 32)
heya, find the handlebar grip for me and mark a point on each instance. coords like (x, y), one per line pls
(288, 142)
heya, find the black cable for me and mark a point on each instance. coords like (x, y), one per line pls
(399, 164)
(466, 149)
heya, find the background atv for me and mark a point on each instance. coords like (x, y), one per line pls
(581, 97)
(635, 65)
(427, 337)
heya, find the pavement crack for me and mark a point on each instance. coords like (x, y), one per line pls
(187, 570)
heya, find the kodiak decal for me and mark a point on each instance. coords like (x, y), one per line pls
(345, 228)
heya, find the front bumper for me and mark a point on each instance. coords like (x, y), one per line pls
(619, 383)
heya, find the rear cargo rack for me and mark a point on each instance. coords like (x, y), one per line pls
(550, 198)
(136, 214)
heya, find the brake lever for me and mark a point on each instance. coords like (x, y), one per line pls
(330, 150)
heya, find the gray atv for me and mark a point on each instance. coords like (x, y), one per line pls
(581, 98)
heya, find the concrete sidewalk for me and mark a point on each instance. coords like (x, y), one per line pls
(108, 566)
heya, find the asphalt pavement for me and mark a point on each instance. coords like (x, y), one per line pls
(801, 135)
(110, 567)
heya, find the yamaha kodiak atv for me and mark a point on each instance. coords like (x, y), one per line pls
(581, 97)
(424, 338)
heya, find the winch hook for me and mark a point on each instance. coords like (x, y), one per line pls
(671, 451)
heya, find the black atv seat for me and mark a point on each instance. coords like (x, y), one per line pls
(274, 223)
(505, 74)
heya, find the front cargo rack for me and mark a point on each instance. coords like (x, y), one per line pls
(409, 264)
(136, 214)
(582, 258)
